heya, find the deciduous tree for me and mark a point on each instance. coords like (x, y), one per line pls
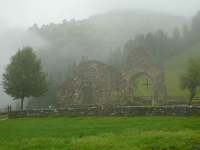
(190, 79)
(24, 77)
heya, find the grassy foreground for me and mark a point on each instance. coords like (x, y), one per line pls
(155, 132)
(3, 116)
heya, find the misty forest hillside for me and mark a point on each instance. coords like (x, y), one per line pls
(110, 38)
(96, 36)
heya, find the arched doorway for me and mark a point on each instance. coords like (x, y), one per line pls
(142, 62)
(141, 89)
(85, 94)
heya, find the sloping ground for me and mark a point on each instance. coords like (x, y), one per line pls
(173, 67)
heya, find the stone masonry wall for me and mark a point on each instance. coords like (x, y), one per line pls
(113, 111)
(92, 84)
(142, 62)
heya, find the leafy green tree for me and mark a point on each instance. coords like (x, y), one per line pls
(24, 77)
(190, 79)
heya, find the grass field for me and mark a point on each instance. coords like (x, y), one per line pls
(3, 116)
(172, 68)
(89, 133)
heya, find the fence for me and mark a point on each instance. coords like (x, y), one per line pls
(173, 100)
(7, 110)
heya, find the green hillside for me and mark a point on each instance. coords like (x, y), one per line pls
(173, 67)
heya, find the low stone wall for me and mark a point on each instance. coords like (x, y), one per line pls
(112, 111)
(3, 113)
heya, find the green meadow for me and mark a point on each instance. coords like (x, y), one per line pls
(3, 116)
(89, 133)
(172, 68)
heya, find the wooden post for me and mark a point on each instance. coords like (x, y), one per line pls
(142, 98)
(182, 98)
(9, 111)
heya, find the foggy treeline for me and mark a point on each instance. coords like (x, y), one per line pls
(110, 38)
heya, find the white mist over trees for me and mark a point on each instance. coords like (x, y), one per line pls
(104, 37)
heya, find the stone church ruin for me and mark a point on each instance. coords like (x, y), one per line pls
(97, 84)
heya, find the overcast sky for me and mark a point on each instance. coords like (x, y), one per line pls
(24, 13)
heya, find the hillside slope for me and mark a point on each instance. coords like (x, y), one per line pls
(175, 66)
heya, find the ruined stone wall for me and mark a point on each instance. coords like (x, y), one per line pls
(112, 111)
(142, 62)
(95, 83)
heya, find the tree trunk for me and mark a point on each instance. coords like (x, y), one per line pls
(22, 103)
(190, 100)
